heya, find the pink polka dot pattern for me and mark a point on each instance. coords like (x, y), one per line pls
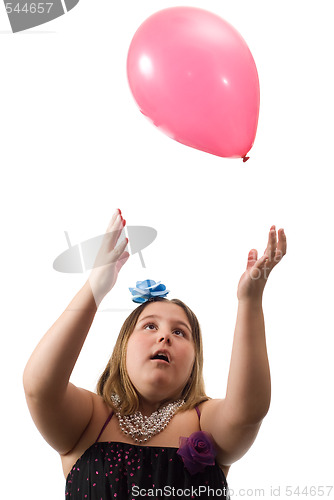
(109, 471)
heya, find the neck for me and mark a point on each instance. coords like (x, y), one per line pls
(147, 407)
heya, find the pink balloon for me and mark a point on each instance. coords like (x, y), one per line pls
(194, 76)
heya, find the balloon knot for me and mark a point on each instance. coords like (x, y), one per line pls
(245, 158)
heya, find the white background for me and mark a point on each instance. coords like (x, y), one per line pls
(74, 147)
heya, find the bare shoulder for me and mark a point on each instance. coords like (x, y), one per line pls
(232, 439)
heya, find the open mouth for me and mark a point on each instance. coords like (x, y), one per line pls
(161, 356)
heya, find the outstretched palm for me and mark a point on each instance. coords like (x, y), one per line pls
(253, 280)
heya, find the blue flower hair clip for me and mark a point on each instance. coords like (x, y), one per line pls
(148, 289)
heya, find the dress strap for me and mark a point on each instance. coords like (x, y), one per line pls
(104, 426)
(198, 412)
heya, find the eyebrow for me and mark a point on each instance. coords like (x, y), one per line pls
(153, 316)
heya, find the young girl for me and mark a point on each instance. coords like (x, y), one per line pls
(151, 430)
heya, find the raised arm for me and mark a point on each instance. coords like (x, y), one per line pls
(60, 410)
(234, 422)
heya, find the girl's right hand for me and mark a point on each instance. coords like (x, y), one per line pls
(109, 259)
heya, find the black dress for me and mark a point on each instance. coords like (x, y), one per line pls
(122, 471)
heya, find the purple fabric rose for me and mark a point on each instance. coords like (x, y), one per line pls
(197, 451)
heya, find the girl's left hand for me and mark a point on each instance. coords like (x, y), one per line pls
(253, 280)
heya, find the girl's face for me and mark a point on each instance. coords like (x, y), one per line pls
(160, 352)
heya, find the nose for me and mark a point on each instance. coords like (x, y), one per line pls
(164, 338)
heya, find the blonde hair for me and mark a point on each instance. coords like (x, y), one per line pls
(115, 379)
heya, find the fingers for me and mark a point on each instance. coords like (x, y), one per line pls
(118, 251)
(281, 247)
(113, 218)
(276, 249)
(272, 244)
(252, 258)
(259, 268)
(114, 230)
(269, 253)
(274, 252)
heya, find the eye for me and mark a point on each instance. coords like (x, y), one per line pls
(149, 325)
(179, 333)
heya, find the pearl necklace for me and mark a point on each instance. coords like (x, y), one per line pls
(141, 428)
